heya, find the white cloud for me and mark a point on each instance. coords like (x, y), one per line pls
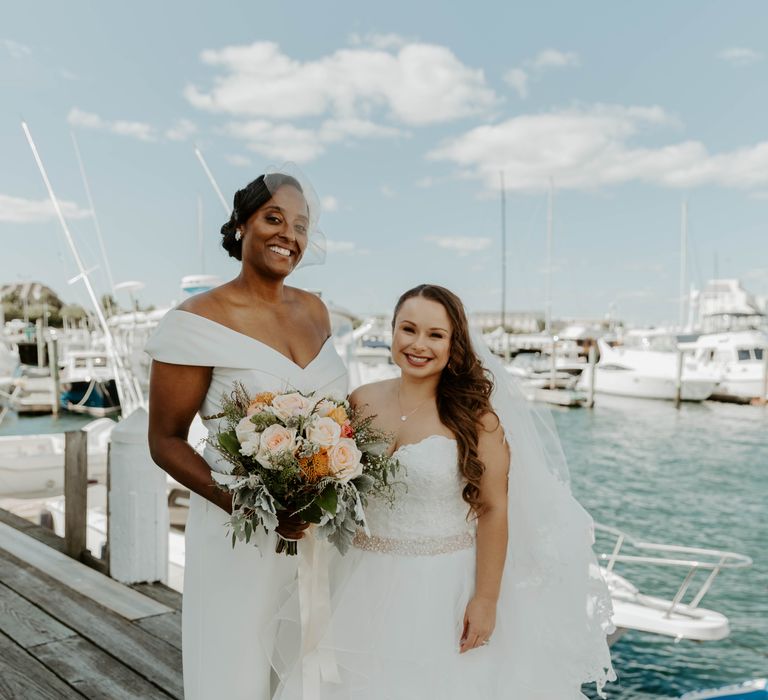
(329, 203)
(340, 246)
(278, 141)
(238, 161)
(413, 83)
(17, 210)
(386, 191)
(181, 131)
(590, 147)
(552, 58)
(463, 245)
(740, 56)
(16, 49)
(378, 41)
(518, 79)
(89, 120)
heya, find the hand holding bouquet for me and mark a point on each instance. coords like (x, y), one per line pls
(300, 457)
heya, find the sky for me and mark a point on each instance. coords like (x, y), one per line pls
(403, 116)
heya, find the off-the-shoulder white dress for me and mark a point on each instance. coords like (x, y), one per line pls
(231, 595)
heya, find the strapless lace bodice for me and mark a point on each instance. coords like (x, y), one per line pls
(432, 507)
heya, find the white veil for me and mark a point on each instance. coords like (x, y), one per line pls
(554, 606)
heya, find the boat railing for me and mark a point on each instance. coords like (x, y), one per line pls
(694, 559)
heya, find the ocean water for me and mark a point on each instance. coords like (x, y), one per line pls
(14, 424)
(697, 476)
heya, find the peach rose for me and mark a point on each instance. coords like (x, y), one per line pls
(274, 440)
(324, 432)
(291, 405)
(344, 460)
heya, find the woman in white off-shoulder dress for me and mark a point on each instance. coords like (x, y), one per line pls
(480, 582)
(270, 337)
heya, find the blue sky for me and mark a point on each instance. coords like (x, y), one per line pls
(402, 115)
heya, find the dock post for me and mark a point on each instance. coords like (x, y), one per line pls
(764, 397)
(679, 379)
(592, 369)
(53, 360)
(75, 492)
(40, 342)
(553, 367)
(137, 505)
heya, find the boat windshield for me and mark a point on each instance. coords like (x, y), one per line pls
(746, 354)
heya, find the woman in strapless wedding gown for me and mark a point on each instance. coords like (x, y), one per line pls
(403, 596)
(232, 595)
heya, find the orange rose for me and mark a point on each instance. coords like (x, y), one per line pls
(339, 414)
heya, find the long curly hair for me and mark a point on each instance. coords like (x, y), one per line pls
(464, 390)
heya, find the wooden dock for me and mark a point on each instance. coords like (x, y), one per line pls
(68, 631)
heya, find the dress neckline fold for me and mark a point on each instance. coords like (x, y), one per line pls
(247, 337)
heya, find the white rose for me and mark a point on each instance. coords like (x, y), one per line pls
(288, 406)
(245, 430)
(274, 440)
(324, 432)
(324, 407)
(344, 460)
(250, 446)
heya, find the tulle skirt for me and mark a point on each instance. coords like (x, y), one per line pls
(395, 631)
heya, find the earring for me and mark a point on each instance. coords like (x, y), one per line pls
(238, 235)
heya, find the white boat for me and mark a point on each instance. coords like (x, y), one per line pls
(646, 367)
(756, 689)
(32, 466)
(87, 382)
(739, 358)
(635, 610)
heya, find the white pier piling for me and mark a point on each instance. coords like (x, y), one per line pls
(138, 507)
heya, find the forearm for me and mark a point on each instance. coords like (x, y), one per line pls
(492, 537)
(180, 460)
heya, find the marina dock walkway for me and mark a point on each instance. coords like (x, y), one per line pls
(68, 631)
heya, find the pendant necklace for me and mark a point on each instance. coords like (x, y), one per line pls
(405, 416)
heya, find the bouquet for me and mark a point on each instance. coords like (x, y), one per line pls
(303, 456)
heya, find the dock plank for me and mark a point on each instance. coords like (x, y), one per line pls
(104, 590)
(93, 672)
(166, 627)
(161, 593)
(25, 623)
(23, 677)
(152, 658)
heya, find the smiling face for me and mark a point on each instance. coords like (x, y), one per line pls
(275, 236)
(421, 337)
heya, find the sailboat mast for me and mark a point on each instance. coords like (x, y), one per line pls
(683, 262)
(96, 224)
(130, 397)
(548, 291)
(213, 182)
(503, 253)
(200, 248)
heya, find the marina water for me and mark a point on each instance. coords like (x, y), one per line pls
(696, 476)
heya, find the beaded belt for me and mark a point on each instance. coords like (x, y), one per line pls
(420, 546)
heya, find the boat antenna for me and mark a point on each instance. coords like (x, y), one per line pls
(127, 388)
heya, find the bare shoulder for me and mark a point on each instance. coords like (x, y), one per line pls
(210, 304)
(372, 394)
(491, 442)
(314, 306)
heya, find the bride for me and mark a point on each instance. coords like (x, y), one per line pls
(258, 331)
(480, 582)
